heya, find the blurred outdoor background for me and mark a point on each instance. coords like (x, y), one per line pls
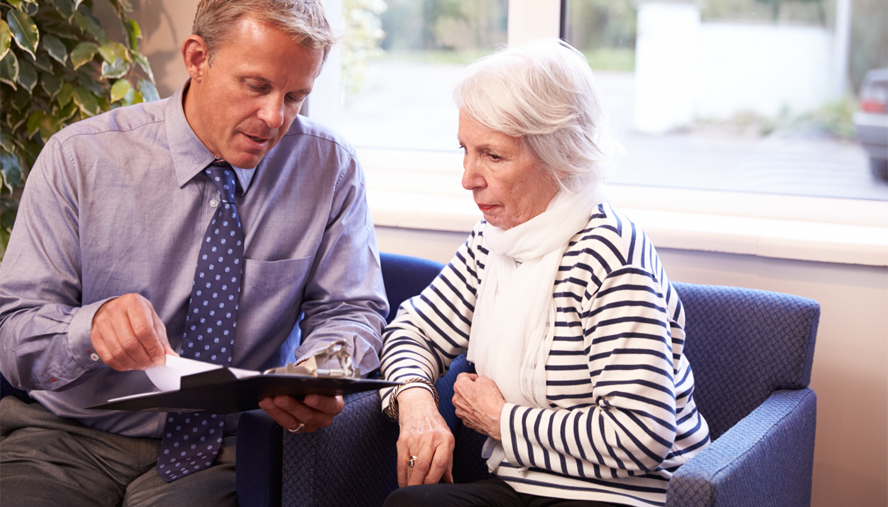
(742, 95)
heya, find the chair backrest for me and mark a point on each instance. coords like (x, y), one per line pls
(743, 345)
(405, 277)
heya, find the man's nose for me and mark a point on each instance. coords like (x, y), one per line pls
(272, 112)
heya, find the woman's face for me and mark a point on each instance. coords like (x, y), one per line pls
(506, 181)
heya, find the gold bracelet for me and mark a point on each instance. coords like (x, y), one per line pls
(392, 410)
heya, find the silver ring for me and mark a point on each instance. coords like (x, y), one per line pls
(298, 428)
(411, 461)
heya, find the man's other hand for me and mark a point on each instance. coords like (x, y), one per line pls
(128, 335)
(303, 416)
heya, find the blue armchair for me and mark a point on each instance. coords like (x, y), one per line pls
(751, 352)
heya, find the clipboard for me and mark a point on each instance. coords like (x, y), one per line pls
(220, 391)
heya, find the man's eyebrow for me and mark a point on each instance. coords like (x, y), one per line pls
(267, 81)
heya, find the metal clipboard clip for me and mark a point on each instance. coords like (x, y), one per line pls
(333, 361)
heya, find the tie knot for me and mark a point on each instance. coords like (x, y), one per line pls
(222, 175)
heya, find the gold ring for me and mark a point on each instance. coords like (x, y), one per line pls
(298, 428)
(411, 461)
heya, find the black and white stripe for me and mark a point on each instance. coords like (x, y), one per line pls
(621, 416)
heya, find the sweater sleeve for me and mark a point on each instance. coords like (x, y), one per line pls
(433, 328)
(626, 425)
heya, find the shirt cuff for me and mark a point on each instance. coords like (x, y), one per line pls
(80, 347)
(506, 435)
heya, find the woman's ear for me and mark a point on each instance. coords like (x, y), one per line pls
(196, 56)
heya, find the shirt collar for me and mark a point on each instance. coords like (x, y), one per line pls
(190, 156)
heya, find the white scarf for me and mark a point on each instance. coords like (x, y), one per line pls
(514, 320)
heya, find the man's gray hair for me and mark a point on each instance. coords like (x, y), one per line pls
(543, 91)
(303, 21)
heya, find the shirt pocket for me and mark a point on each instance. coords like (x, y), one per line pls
(275, 275)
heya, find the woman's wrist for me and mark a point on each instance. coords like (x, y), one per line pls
(409, 385)
(412, 401)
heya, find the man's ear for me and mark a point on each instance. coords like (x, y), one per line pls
(196, 56)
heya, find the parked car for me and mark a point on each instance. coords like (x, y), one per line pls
(871, 121)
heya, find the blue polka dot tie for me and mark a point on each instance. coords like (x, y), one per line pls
(191, 441)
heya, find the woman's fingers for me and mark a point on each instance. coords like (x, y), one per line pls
(424, 436)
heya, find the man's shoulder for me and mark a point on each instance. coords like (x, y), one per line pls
(304, 128)
(120, 120)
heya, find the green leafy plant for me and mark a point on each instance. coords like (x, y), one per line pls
(58, 66)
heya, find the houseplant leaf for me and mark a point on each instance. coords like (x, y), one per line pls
(24, 31)
(11, 170)
(86, 101)
(55, 48)
(27, 76)
(120, 89)
(83, 53)
(5, 38)
(6, 142)
(51, 83)
(65, 94)
(9, 69)
(65, 8)
(115, 70)
(87, 79)
(143, 63)
(133, 34)
(42, 62)
(148, 91)
(34, 122)
(88, 23)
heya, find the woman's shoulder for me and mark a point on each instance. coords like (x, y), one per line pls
(610, 241)
(608, 227)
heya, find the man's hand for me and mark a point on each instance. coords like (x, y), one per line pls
(314, 412)
(128, 335)
(478, 402)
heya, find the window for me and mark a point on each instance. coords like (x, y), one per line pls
(708, 136)
(740, 95)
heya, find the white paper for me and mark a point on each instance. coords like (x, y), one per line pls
(168, 377)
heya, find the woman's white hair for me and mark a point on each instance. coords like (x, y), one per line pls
(544, 92)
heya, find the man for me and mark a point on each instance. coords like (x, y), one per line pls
(106, 267)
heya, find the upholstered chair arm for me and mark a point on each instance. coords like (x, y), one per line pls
(765, 459)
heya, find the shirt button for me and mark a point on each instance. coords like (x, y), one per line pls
(94, 356)
(214, 203)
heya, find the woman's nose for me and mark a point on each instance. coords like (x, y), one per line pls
(471, 178)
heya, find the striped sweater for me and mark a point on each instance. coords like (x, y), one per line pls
(621, 416)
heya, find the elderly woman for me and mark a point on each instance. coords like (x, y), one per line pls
(559, 300)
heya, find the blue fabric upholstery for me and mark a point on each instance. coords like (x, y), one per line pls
(751, 352)
(360, 432)
(6, 389)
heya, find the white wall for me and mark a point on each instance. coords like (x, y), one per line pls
(165, 26)
(850, 375)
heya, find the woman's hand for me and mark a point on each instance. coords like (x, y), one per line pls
(478, 403)
(424, 434)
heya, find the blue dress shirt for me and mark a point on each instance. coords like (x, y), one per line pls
(116, 204)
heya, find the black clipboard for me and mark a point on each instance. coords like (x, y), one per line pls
(219, 391)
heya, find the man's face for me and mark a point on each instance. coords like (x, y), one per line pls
(243, 103)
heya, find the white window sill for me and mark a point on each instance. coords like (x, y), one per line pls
(416, 190)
